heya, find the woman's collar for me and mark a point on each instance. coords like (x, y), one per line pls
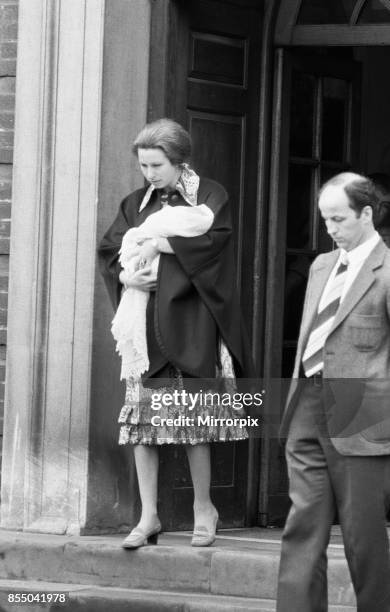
(187, 186)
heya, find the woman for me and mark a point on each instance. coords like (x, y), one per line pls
(193, 320)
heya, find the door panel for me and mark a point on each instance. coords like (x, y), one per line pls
(226, 96)
(213, 73)
(229, 59)
(226, 132)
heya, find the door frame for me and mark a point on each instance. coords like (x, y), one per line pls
(288, 33)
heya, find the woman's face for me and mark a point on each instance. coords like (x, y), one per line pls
(157, 169)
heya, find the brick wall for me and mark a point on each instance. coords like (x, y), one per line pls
(8, 38)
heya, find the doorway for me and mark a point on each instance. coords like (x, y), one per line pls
(330, 100)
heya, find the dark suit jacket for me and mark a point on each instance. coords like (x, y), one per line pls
(356, 356)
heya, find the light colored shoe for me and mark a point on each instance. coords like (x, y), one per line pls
(205, 535)
(138, 537)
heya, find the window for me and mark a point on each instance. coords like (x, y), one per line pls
(315, 12)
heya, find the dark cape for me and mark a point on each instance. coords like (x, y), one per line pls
(196, 298)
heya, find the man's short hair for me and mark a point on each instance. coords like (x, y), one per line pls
(360, 190)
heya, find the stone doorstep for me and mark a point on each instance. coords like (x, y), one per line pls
(232, 567)
(100, 599)
(91, 598)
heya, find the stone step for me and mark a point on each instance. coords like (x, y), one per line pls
(236, 566)
(91, 598)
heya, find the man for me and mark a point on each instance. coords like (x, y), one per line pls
(337, 418)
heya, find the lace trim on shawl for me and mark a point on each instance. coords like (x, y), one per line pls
(187, 186)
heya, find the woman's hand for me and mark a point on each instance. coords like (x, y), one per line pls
(143, 279)
(147, 251)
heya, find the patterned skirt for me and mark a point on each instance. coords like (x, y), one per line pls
(146, 419)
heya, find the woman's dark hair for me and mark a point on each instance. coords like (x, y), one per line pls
(167, 135)
(360, 190)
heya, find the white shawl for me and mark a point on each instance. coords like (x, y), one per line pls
(129, 323)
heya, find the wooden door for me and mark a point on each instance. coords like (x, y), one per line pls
(212, 71)
(317, 126)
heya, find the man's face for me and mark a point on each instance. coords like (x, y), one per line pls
(343, 224)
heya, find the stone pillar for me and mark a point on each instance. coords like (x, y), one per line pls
(57, 339)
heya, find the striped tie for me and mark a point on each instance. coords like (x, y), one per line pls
(312, 359)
